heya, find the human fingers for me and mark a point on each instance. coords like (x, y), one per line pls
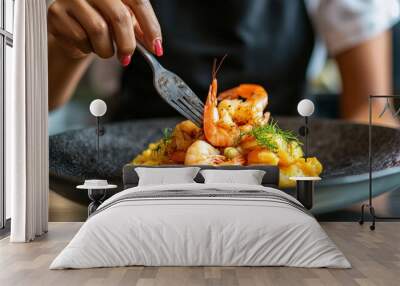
(148, 22)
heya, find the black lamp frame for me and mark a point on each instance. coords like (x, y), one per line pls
(304, 131)
(369, 205)
(99, 132)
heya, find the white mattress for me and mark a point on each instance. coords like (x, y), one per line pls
(202, 231)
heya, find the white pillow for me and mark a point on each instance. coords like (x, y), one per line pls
(164, 176)
(248, 177)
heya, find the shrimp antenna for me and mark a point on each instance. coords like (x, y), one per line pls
(216, 68)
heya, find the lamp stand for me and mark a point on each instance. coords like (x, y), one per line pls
(306, 135)
(96, 197)
(99, 132)
(98, 140)
(369, 204)
(304, 131)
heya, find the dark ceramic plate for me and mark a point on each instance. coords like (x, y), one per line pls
(341, 147)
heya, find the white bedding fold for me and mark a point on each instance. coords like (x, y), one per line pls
(223, 231)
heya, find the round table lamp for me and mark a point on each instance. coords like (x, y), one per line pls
(305, 108)
(98, 108)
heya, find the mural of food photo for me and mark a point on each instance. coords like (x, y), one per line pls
(236, 131)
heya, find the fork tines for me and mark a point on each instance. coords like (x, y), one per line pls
(174, 91)
(190, 108)
(188, 104)
(180, 97)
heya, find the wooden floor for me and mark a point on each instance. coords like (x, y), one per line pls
(375, 257)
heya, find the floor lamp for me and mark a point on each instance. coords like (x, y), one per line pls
(97, 188)
(388, 107)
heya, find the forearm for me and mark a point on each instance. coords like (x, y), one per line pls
(365, 70)
(64, 73)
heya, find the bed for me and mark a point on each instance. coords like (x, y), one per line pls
(201, 224)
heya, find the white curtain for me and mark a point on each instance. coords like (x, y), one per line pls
(26, 124)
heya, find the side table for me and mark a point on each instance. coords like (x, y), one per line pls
(305, 190)
(96, 191)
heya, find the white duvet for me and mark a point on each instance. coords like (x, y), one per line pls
(200, 231)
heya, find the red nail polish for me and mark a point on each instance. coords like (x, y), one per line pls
(126, 60)
(158, 48)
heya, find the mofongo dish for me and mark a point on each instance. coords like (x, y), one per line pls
(236, 131)
(341, 147)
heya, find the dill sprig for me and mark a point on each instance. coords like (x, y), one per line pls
(167, 134)
(166, 139)
(267, 135)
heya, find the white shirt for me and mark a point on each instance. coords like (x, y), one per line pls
(342, 24)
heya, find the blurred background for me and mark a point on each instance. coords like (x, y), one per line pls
(102, 80)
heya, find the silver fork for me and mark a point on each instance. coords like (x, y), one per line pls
(174, 91)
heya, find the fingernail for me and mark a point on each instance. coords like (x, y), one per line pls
(158, 48)
(126, 60)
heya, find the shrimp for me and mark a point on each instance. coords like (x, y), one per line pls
(219, 128)
(249, 112)
(202, 153)
(184, 134)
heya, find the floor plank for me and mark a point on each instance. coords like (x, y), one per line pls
(375, 257)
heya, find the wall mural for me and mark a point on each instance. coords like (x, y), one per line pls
(239, 112)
